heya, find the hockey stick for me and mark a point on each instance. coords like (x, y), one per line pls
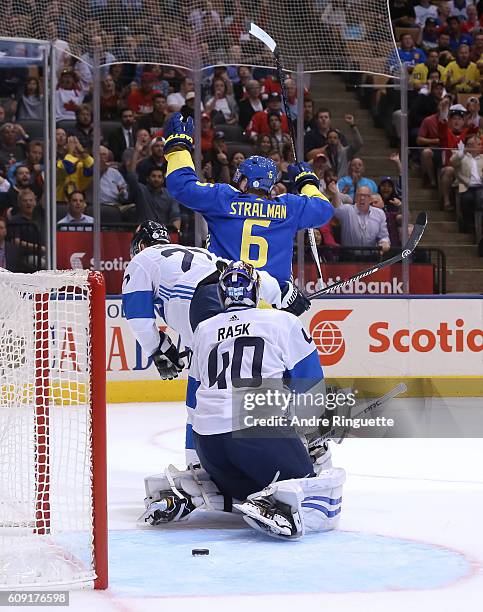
(267, 40)
(332, 433)
(412, 243)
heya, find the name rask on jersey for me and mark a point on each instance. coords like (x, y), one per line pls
(242, 329)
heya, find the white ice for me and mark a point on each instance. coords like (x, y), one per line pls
(415, 491)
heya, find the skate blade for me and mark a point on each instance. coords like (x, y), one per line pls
(267, 530)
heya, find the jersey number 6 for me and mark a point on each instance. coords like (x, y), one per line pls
(248, 240)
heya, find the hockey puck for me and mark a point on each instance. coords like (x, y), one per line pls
(200, 551)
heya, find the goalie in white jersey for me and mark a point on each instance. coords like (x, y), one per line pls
(240, 348)
(182, 282)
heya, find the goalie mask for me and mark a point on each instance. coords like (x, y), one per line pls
(148, 234)
(239, 286)
(260, 172)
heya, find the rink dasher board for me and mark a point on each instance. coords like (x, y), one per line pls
(433, 343)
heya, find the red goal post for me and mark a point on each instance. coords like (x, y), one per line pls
(53, 482)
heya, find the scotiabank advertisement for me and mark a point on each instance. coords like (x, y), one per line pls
(358, 337)
(388, 281)
(398, 337)
(74, 250)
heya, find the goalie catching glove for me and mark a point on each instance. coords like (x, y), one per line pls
(178, 134)
(302, 174)
(167, 358)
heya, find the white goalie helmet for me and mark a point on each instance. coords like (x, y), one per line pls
(239, 285)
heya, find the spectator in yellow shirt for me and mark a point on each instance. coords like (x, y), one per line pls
(419, 75)
(462, 75)
(74, 171)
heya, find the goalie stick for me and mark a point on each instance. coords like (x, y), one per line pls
(412, 243)
(332, 433)
(267, 40)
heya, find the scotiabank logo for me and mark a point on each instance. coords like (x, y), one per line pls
(328, 336)
(107, 265)
(447, 337)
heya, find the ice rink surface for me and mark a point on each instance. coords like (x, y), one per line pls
(410, 536)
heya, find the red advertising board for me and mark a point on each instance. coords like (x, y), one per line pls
(74, 250)
(385, 281)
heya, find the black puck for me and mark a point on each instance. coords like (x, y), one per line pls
(200, 551)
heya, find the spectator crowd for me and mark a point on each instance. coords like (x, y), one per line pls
(440, 43)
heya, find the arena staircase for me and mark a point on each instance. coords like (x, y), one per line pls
(464, 267)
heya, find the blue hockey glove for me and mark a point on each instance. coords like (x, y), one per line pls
(167, 359)
(293, 300)
(178, 134)
(302, 174)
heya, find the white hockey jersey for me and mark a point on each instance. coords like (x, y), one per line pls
(167, 276)
(249, 343)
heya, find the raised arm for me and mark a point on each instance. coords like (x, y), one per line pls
(181, 179)
(356, 139)
(314, 209)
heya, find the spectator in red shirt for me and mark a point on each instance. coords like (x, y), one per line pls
(472, 22)
(431, 156)
(452, 129)
(428, 137)
(140, 101)
(259, 122)
(270, 85)
(153, 122)
(207, 133)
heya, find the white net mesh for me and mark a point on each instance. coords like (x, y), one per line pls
(46, 513)
(330, 35)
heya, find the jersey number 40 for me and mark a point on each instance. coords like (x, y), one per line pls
(237, 357)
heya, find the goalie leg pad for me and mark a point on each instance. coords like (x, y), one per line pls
(174, 494)
(322, 503)
(291, 508)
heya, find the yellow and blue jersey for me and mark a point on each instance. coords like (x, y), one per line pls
(243, 226)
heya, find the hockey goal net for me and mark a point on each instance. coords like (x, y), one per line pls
(53, 524)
